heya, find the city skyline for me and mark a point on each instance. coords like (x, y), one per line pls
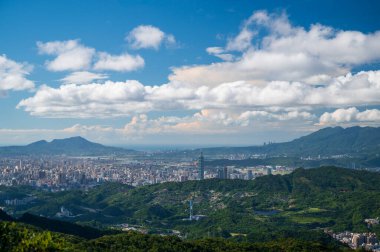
(189, 74)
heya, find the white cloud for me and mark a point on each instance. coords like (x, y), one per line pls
(210, 121)
(124, 98)
(284, 52)
(73, 56)
(243, 40)
(350, 115)
(248, 116)
(148, 36)
(13, 75)
(170, 40)
(220, 53)
(70, 55)
(83, 77)
(110, 99)
(121, 63)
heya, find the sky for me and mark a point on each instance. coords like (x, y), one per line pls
(186, 73)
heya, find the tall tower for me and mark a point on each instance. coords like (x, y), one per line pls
(201, 167)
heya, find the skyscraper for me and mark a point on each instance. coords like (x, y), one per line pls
(250, 175)
(201, 167)
(225, 172)
(269, 171)
(220, 173)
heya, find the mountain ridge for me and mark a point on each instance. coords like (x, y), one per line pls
(327, 141)
(354, 141)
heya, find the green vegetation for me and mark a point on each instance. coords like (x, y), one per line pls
(271, 207)
(18, 237)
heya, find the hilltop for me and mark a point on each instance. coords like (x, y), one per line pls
(73, 146)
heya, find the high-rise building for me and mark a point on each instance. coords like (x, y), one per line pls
(269, 171)
(220, 173)
(225, 172)
(250, 175)
(61, 178)
(201, 167)
(41, 174)
(183, 178)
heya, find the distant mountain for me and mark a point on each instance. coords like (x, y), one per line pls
(73, 146)
(327, 141)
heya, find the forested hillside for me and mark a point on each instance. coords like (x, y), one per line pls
(268, 207)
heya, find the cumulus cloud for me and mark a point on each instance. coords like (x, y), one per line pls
(284, 52)
(70, 55)
(73, 56)
(121, 63)
(125, 98)
(13, 75)
(110, 99)
(83, 77)
(349, 115)
(148, 36)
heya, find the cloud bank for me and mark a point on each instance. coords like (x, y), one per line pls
(113, 99)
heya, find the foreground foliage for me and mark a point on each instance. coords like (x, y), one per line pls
(17, 237)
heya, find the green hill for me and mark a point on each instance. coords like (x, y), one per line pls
(270, 207)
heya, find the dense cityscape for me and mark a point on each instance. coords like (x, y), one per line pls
(61, 173)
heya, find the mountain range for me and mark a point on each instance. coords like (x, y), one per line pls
(354, 141)
(357, 141)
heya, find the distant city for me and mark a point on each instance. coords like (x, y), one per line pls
(63, 173)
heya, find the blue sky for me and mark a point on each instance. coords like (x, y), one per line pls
(186, 72)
